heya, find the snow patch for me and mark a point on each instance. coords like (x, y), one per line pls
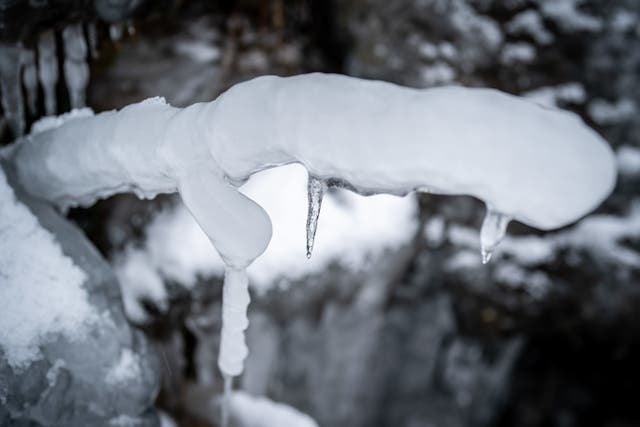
(41, 289)
(250, 411)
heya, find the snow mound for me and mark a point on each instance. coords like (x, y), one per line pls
(41, 289)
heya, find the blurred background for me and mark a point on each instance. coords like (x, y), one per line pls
(394, 321)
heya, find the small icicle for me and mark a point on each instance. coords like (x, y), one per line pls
(76, 70)
(48, 71)
(315, 192)
(92, 39)
(493, 230)
(30, 79)
(115, 32)
(226, 400)
(11, 87)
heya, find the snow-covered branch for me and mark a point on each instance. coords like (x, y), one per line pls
(540, 166)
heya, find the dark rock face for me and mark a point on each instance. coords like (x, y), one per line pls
(71, 386)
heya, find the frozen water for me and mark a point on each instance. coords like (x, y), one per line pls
(494, 227)
(315, 192)
(76, 70)
(11, 87)
(355, 230)
(48, 70)
(543, 167)
(92, 39)
(30, 79)
(235, 301)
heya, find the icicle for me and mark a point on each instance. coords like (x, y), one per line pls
(76, 70)
(233, 348)
(493, 230)
(226, 401)
(30, 79)
(92, 39)
(315, 192)
(235, 300)
(11, 87)
(115, 32)
(48, 70)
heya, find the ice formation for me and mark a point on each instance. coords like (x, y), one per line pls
(76, 70)
(10, 85)
(30, 79)
(48, 70)
(41, 289)
(355, 230)
(540, 166)
(315, 192)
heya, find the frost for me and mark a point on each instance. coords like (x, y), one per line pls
(41, 289)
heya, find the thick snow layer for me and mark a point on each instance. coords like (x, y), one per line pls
(541, 166)
(352, 230)
(250, 411)
(41, 289)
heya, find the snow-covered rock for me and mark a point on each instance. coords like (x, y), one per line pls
(67, 355)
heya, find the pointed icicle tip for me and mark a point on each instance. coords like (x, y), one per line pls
(494, 228)
(316, 188)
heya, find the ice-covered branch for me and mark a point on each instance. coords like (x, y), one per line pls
(540, 166)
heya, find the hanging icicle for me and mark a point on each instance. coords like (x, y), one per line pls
(92, 39)
(48, 70)
(11, 87)
(76, 70)
(492, 232)
(316, 188)
(30, 79)
(233, 348)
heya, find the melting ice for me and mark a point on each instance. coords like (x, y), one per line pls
(494, 227)
(315, 192)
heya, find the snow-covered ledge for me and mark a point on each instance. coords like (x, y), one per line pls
(540, 166)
